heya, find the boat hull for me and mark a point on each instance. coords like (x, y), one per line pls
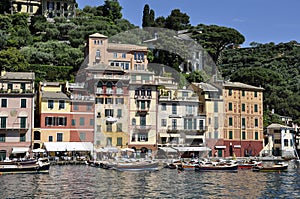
(217, 168)
(24, 167)
(136, 167)
(270, 169)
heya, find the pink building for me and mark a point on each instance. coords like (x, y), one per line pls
(16, 113)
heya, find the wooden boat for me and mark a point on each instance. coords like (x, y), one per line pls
(248, 164)
(274, 168)
(27, 166)
(136, 166)
(216, 166)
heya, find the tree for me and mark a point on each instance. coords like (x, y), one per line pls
(177, 20)
(112, 9)
(215, 38)
(148, 17)
(160, 22)
(12, 60)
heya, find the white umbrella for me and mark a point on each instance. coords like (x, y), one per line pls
(128, 149)
(38, 150)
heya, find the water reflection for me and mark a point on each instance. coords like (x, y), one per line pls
(82, 181)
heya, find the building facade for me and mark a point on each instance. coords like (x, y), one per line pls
(16, 113)
(243, 122)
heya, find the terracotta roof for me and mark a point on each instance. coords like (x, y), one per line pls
(54, 95)
(98, 35)
(18, 76)
(240, 85)
(126, 47)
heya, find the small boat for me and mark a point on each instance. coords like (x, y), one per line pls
(248, 164)
(274, 168)
(216, 166)
(26, 166)
(136, 166)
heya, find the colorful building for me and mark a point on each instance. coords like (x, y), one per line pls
(16, 113)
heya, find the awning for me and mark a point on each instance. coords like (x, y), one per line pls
(128, 149)
(183, 149)
(168, 149)
(20, 150)
(68, 146)
(237, 146)
(220, 147)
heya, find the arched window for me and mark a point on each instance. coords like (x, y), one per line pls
(109, 88)
(120, 88)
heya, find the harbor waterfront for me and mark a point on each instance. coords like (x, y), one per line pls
(83, 181)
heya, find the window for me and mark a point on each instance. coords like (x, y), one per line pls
(123, 55)
(230, 106)
(59, 137)
(73, 122)
(50, 138)
(22, 137)
(286, 142)
(109, 101)
(119, 127)
(230, 92)
(23, 103)
(2, 137)
(119, 100)
(143, 105)
(109, 112)
(99, 100)
(174, 109)
(230, 121)
(133, 121)
(163, 106)
(76, 107)
(10, 86)
(98, 53)
(243, 123)
(255, 108)
(23, 87)
(50, 104)
(3, 122)
(216, 122)
(81, 121)
(189, 109)
(37, 135)
(108, 127)
(4, 103)
(255, 93)
(163, 122)
(230, 135)
(88, 107)
(149, 92)
(91, 122)
(49, 121)
(143, 137)
(108, 141)
(216, 107)
(201, 124)
(243, 107)
(23, 122)
(119, 113)
(61, 104)
(174, 123)
(243, 93)
(82, 136)
(119, 141)
(256, 135)
(61, 121)
(115, 55)
(143, 120)
(243, 135)
(256, 122)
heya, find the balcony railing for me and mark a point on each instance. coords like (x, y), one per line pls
(16, 91)
(143, 97)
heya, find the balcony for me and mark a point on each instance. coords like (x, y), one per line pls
(16, 91)
(109, 91)
(81, 98)
(111, 77)
(143, 97)
(99, 91)
(142, 127)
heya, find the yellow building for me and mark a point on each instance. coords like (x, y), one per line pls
(54, 114)
(243, 122)
(25, 6)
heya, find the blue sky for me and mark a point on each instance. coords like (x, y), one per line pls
(261, 21)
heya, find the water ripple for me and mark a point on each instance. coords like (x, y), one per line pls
(81, 181)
